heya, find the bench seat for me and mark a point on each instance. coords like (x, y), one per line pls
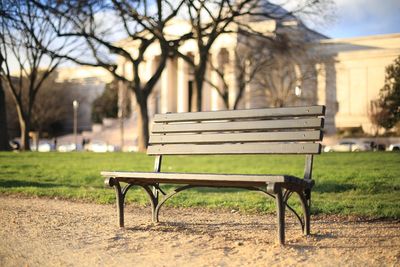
(212, 178)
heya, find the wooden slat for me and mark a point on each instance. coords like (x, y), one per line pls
(313, 123)
(197, 176)
(227, 149)
(235, 137)
(263, 178)
(241, 114)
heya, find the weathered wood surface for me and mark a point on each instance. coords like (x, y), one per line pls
(232, 149)
(241, 114)
(313, 123)
(209, 138)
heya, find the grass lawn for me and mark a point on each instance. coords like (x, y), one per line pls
(365, 184)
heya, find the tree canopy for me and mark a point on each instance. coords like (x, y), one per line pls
(389, 100)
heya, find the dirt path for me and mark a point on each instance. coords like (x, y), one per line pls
(40, 232)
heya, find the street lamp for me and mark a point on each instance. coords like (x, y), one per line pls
(75, 105)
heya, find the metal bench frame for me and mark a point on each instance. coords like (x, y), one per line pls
(207, 133)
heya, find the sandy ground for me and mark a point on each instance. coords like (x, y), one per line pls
(42, 232)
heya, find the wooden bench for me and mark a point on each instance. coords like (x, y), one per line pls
(291, 130)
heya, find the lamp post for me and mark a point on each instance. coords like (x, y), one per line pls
(75, 105)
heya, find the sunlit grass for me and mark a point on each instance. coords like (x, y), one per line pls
(366, 184)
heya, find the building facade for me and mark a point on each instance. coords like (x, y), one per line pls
(346, 75)
(353, 76)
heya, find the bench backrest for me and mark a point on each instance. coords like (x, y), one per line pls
(290, 130)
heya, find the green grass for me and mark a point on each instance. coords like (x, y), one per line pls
(364, 184)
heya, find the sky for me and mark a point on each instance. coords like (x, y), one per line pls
(355, 18)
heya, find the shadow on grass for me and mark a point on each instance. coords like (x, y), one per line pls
(333, 187)
(321, 187)
(204, 189)
(17, 183)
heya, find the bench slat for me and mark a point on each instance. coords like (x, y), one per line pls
(241, 114)
(314, 123)
(235, 137)
(230, 149)
(170, 177)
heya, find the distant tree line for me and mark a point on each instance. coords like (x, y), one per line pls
(106, 105)
(51, 109)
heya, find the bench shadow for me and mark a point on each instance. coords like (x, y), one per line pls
(201, 228)
(205, 189)
(332, 187)
(345, 240)
(297, 241)
(17, 183)
(320, 187)
(367, 224)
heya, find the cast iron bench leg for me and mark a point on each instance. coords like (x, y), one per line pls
(120, 198)
(276, 190)
(120, 203)
(305, 204)
(280, 209)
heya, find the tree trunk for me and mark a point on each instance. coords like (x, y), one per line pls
(199, 87)
(239, 96)
(143, 125)
(4, 141)
(24, 126)
(199, 94)
(199, 77)
(25, 141)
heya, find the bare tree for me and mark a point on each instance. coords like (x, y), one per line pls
(21, 27)
(4, 137)
(99, 27)
(250, 56)
(291, 64)
(52, 107)
(4, 145)
(272, 68)
(211, 19)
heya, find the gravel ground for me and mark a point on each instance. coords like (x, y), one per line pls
(44, 232)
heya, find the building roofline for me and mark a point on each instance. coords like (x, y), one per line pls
(360, 38)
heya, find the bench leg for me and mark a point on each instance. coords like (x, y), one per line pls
(120, 204)
(280, 210)
(154, 210)
(120, 198)
(307, 222)
(305, 205)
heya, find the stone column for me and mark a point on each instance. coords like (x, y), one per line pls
(327, 93)
(207, 88)
(149, 68)
(168, 87)
(157, 88)
(321, 75)
(182, 85)
(215, 79)
(247, 89)
(230, 73)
